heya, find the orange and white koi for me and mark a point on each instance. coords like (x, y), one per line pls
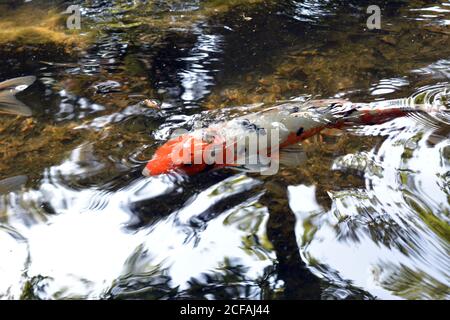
(293, 122)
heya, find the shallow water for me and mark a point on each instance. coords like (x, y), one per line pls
(367, 215)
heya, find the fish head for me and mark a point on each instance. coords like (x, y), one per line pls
(183, 154)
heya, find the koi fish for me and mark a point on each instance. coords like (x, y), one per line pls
(293, 122)
(8, 90)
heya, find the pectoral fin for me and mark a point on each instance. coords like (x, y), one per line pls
(289, 157)
(292, 156)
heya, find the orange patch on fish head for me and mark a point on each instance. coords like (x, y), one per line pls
(183, 153)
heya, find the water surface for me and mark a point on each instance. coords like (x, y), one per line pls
(366, 217)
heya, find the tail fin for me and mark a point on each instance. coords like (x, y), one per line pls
(8, 90)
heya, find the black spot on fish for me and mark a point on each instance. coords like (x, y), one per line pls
(295, 109)
(328, 107)
(349, 112)
(262, 131)
(300, 131)
(249, 126)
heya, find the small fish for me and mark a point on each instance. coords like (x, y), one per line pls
(8, 102)
(293, 121)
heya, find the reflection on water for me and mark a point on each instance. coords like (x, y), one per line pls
(367, 215)
(435, 13)
(197, 77)
(397, 226)
(387, 86)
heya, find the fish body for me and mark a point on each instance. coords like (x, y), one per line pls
(8, 90)
(292, 122)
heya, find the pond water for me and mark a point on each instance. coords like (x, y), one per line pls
(365, 217)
